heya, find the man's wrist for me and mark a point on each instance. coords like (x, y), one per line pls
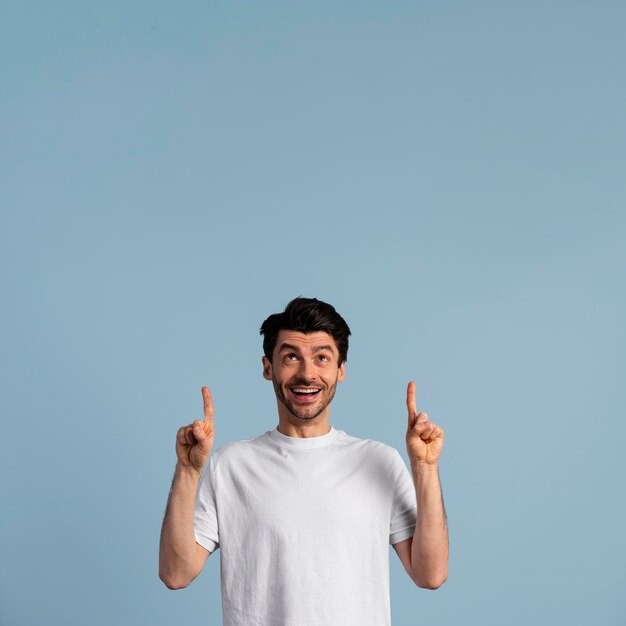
(424, 469)
(188, 472)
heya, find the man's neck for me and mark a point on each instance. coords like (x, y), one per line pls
(311, 428)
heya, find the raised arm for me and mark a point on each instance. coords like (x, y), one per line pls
(429, 546)
(181, 559)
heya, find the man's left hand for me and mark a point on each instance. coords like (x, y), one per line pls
(424, 440)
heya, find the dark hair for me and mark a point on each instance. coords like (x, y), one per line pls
(306, 315)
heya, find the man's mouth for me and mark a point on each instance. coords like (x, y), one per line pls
(304, 392)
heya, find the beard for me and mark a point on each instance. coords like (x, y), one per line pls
(305, 412)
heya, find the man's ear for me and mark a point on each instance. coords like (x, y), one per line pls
(341, 374)
(267, 368)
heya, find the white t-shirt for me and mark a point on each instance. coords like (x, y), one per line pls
(304, 526)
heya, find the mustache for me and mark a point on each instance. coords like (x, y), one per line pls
(302, 382)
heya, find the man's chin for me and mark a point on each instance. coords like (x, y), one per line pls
(304, 415)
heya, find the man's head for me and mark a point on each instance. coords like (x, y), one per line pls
(305, 348)
(306, 315)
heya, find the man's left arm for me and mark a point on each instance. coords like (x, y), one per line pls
(429, 547)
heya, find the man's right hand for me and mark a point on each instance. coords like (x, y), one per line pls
(195, 441)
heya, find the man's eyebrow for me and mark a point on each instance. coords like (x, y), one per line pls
(288, 346)
(318, 348)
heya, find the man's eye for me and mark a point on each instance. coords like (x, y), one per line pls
(323, 357)
(291, 357)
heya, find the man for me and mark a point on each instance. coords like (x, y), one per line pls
(304, 513)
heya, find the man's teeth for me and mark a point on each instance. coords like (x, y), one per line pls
(304, 390)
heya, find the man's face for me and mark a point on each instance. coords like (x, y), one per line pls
(304, 372)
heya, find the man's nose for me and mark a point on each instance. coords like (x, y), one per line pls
(307, 369)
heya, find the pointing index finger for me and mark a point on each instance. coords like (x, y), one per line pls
(208, 404)
(410, 399)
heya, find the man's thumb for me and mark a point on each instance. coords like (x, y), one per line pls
(198, 431)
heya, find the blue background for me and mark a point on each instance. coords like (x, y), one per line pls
(451, 176)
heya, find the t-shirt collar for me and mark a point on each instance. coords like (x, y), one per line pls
(303, 442)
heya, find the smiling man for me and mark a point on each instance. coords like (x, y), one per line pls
(304, 513)
(305, 374)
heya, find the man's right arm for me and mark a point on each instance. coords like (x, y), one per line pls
(181, 559)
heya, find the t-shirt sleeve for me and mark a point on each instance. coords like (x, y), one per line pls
(404, 508)
(205, 512)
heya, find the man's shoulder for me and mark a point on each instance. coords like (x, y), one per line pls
(368, 445)
(239, 446)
